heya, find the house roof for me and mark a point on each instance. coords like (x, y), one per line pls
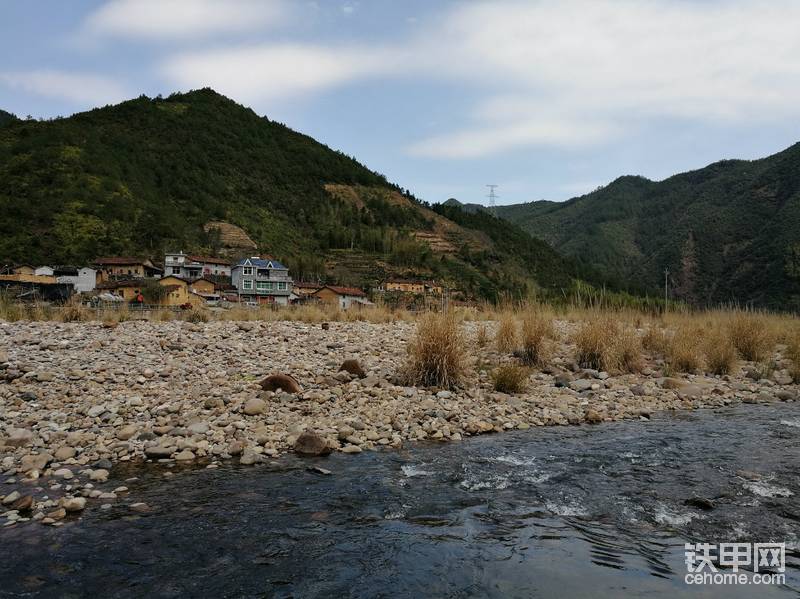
(121, 283)
(352, 291)
(120, 260)
(412, 282)
(210, 260)
(261, 263)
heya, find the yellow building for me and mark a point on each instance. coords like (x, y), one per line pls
(406, 286)
(176, 294)
(123, 267)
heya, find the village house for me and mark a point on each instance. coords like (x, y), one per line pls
(23, 269)
(344, 297)
(83, 280)
(120, 267)
(262, 280)
(207, 289)
(411, 286)
(177, 291)
(44, 271)
(193, 267)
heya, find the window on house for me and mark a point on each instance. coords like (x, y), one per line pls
(176, 270)
(264, 286)
(282, 286)
(247, 271)
(247, 285)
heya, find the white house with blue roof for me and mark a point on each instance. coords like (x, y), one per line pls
(262, 280)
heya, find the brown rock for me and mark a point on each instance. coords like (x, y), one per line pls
(35, 462)
(57, 514)
(284, 382)
(309, 443)
(592, 416)
(353, 367)
(23, 503)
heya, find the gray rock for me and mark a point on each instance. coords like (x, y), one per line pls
(157, 452)
(255, 406)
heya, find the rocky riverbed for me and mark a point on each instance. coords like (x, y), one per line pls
(77, 398)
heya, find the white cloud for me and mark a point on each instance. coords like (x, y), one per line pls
(183, 19)
(553, 74)
(265, 72)
(575, 71)
(80, 88)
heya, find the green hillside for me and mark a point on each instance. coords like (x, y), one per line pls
(200, 173)
(729, 232)
(6, 117)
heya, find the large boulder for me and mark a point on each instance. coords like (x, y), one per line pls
(309, 443)
(283, 382)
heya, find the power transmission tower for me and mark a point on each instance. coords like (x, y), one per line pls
(492, 199)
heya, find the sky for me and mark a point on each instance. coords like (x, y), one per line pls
(546, 99)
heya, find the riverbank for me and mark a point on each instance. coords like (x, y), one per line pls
(77, 398)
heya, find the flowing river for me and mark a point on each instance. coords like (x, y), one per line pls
(588, 511)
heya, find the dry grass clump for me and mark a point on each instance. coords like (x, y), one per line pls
(752, 336)
(510, 378)
(793, 353)
(506, 337)
(684, 352)
(537, 331)
(719, 351)
(593, 341)
(627, 350)
(604, 344)
(482, 336)
(656, 339)
(74, 312)
(436, 354)
(195, 314)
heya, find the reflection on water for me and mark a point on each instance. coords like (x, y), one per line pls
(579, 512)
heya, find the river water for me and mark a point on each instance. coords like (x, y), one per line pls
(588, 511)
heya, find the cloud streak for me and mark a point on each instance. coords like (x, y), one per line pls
(169, 20)
(77, 88)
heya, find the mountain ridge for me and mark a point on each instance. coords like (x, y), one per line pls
(728, 232)
(148, 175)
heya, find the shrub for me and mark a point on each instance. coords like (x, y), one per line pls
(684, 352)
(196, 314)
(793, 353)
(482, 336)
(656, 340)
(594, 343)
(510, 378)
(627, 350)
(506, 336)
(74, 312)
(537, 330)
(436, 354)
(751, 336)
(719, 351)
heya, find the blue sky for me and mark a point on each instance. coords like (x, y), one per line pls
(546, 99)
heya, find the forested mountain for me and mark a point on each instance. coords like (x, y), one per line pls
(200, 173)
(6, 117)
(729, 232)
